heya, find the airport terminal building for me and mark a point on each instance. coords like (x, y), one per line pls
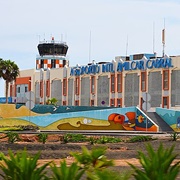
(142, 80)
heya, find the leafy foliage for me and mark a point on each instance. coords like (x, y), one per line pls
(21, 166)
(72, 172)
(74, 138)
(42, 137)
(52, 101)
(8, 71)
(140, 138)
(157, 164)
(92, 161)
(12, 136)
(174, 136)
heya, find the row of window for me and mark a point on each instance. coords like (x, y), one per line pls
(165, 80)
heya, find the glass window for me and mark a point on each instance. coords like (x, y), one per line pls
(166, 79)
(112, 83)
(77, 85)
(65, 87)
(92, 84)
(143, 81)
(119, 82)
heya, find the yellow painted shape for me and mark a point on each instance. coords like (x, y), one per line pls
(73, 122)
(174, 127)
(14, 122)
(9, 110)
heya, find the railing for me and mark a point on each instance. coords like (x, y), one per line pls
(148, 118)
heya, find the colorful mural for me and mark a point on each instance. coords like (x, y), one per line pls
(49, 117)
(171, 117)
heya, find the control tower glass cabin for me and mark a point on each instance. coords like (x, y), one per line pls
(52, 54)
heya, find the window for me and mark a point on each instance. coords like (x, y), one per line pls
(26, 89)
(112, 102)
(165, 103)
(42, 63)
(64, 87)
(77, 85)
(92, 84)
(119, 82)
(143, 81)
(112, 83)
(77, 103)
(18, 89)
(41, 89)
(92, 102)
(53, 63)
(119, 102)
(166, 80)
(47, 88)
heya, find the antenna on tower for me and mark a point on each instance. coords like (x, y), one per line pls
(90, 47)
(163, 39)
(126, 45)
(153, 37)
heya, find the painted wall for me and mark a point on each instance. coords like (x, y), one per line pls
(171, 117)
(51, 117)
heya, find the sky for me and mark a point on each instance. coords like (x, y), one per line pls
(96, 30)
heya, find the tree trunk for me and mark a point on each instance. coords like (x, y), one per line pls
(7, 87)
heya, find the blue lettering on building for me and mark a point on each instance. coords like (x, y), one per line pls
(125, 66)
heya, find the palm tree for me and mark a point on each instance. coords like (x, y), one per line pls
(8, 71)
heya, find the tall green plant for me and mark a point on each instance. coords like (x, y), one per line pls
(64, 172)
(157, 164)
(8, 71)
(92, 161)
(22, 167)
(12, 136)
(42, 137)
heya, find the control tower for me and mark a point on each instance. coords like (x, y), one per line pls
(52, 54)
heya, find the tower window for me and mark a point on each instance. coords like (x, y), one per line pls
(42, 63)
(53, 63)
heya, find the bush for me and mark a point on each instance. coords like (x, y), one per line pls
(22, 166)
(12, 137)
(72, 172)
(174, 136)
(74, 138)
(157, 164)
(43, 137)
(140, 138)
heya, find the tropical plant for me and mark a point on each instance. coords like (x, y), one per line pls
(140, 138)
(42, 137)
(12, 137)
(8, 71)
(74, 138)
(92, 161)
(174, 136)
(22, 166)
(157, 164)
(52, 101)
(64, 172)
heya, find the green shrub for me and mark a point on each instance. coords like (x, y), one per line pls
(92, 140)
(22, 167)
(157, 164)
(64, 172)
(74, 138)
(42, 137)
(174, 136)
(12, 136)
(140, 138)
(92, 161)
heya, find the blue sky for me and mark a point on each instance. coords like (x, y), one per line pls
(111, 22)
